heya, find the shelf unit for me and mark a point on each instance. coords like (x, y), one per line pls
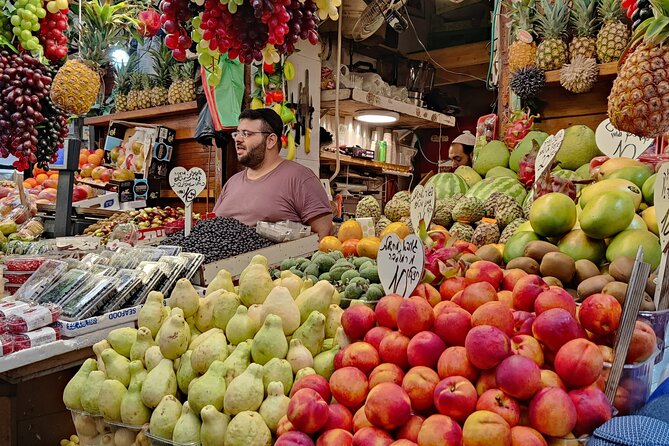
(465, 63)
(606, 70)
(385, 168)
(355, 100)
(147, 113)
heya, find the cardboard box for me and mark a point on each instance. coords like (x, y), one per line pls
(95, 323)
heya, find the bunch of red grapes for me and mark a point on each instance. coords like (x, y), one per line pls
(52, 132)
(51, 35)
(302, 25)
(175, 15)
(273, 13)
(24, 88)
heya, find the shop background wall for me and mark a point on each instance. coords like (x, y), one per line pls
(433, 150)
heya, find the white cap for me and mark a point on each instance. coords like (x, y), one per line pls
(466, 139)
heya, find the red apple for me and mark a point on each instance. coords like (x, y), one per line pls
(424, 349)
(476, 294)
(388, 406)
(314, 382)
(592, 407)
(487, 346)
(376, 335)
(552, 412)
(393, 349)
(307, 411)
(556, 327)
(349, 387)
(386, 310)
(362, 356)
(555, 297)
(496, 314)
(485, 271)
(526, 291)
(454, 362)
(579, 363)
(452, 325)
(519, 377)
(600, 314)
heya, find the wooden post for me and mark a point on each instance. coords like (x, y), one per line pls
(503, 91)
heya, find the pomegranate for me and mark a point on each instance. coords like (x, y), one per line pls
(149, 22)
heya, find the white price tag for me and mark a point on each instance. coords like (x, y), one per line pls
(401, 264)
(615, 143)
(188, 184)
(547, 153)
(662, 204)
(422, 205)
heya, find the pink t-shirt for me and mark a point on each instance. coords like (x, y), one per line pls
(289, 192)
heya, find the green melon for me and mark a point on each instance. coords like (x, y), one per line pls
(509, 186)
(493, 154)
(468, 174)
(524, 147)
(447, 184)
(499, 171)
(578, 147)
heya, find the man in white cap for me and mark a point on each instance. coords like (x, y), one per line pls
(461, 150)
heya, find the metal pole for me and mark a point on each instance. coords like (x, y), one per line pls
(63, 223)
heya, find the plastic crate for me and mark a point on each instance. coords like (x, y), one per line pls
(90, 428)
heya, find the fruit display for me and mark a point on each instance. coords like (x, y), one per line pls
(214, 369)
(151, 217)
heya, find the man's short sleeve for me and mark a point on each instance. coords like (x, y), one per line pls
(310, 198)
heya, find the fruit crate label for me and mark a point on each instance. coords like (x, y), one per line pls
(400, 264)
(422, 205)
(188, 184)
(547, 153)
(615, 143)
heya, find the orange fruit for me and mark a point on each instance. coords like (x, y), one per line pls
(329, 244)
(41, 178)
(100, 152)
(83, 158)
(29, 183)
(95, 159)
(350, 229)
(369, 247)
(350, 247)
(398, 228)
(53, 174)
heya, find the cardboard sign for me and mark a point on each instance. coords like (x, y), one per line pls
(401, 264)
(615, 143)
(662, 204)
(422, 205)
(188, 184)
(547, 153)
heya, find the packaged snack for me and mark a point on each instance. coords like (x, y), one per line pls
(67, 284)
(86, 301)
(45, 335)
(43, 278)
(7, 342)
(12, 307)
(23, 263)
(32, 318)
(486, 129)
(17, 277)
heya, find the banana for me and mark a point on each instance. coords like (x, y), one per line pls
(291, 147)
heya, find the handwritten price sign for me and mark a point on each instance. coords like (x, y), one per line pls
(401, 264)
(662, 204)
(422, 206)
(188, 184)
(615, 143)
(547, 153)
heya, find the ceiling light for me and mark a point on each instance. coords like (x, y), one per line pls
(377, 116)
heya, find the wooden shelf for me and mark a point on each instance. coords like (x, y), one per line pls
(465, 63)
(147, 113)
(396, 169)
(605, 70)
(411, 116)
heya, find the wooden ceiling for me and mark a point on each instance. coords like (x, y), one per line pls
(471, 59)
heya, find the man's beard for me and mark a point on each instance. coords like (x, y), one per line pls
(253, 156)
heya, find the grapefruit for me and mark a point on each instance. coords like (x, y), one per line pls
(553, 214)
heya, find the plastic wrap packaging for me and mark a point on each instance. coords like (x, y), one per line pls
(195, 261)
(153, 275)
(128, 282)
(42, 336)
(173, 267)
(12, 307)
(7, 342)
(102, 270)
(120, 260)
(94, 259)
(170, 250)
(43, 278)
(17, 277)
(33, 318)
(67, 284)
(486, 129)
(23, 263)
(149, 254)
(90, 298)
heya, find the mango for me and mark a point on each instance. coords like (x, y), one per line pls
(607, 214)
(579, 246)
(609, 185)
(627, 243)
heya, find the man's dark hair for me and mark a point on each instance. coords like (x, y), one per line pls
(271, 121)
(467, 149)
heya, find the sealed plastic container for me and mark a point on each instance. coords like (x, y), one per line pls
(635, 385)
(124, 434)
(120, 260)
(42, 336)
(7, 342)
(659, 320)
(87, 300)
(90, 428)
(12, 307)
(128, 281)
(154, 278)
(102, 270)
(157, 441)
(40, 280)
(195, 261)
(17, 277)
(150, 254)
(94, 259)
(11, 289)
(68, 283)
(173, 267)
(33, 318)
(282, 231)
(23, 263)
(170, 250)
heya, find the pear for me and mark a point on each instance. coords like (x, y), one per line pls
(256, 315)
(194, 331)
(142, 343)
(187, 429)
(241, 327)
(222, 281)
(328, 344)
(225, 307)
(246, 429)
(98, 348)
(91, 392)
(299, 356)
(133, 410)
(137, 372)
(185, 297)
(341, 339)
(194, 343)
(336, 298)
(275, 405)
(316, 298)
(214, 425)
(256, 260)
(152, 315)
(74, 387)
(312, 332)
(116, 366)
(278, 370)
(304, 372)
(255, 284)
(333, 320)
(237, 361)
(110, 399)
(165, 417)
(280, 302)
(121, 340)
(152, 357)
(306, 284)
(292, 282)
(185, 372)
(213, 348)
(269, 342)
(174, 336)
(209, 388)
(124, 437)
(324, 362)
(245, 392)
(160, 381)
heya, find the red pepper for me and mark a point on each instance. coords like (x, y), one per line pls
(268, 68)
(631, 9)
(269, 98)
(277, 96)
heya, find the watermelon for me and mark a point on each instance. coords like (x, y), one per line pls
(568, 175)
(448, 184)
(509, 186)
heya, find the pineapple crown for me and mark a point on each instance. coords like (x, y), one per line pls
(554, 20)
(582, 17)
(123, 74)
(162, 63)
(654, 30)
(611, 10)
(521, 14)
(136, 80)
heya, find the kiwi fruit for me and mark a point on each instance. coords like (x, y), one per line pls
(490, 253)
(593, 285)
(621, 268)
(585, 269)
(647, 304)
(604, 269)
(558, 265)
(616, 289)
(552, 281)
(650, 284)
(538, 249)
(527, 264)
(470, 258)
(572, 292)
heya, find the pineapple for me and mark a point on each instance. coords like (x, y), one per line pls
(162, 62)
(122, 83)
(639, 99)
(552, 24)
(173, 95)
(132, 100)
(582, 18)
(523, 49)
(144, 95)
(188, 82)
(614, 35)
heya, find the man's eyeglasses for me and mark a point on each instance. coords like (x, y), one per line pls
(245, 134)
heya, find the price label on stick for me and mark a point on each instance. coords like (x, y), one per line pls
(422, 206)
(401, 264)
(661, 194)
(547, 153)
(615, 143)
(188, 184)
